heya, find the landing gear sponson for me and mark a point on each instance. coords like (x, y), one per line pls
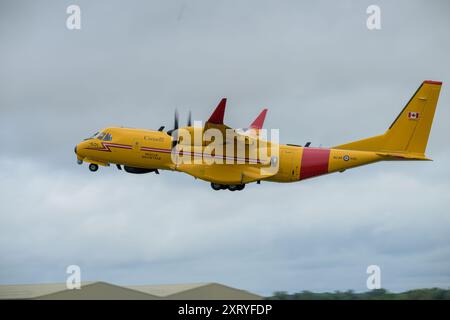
(231, 187)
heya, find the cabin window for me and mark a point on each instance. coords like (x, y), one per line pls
(107, 137)
(101, 135)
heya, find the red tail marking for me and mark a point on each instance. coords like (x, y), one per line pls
(433, 82)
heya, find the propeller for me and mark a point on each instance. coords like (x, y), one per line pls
(175, 124)
(172, 132)
(189, 122)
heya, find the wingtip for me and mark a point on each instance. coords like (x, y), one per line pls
(218, 114)
(259, 121)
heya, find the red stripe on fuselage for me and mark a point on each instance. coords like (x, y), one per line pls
(106, 146)
(314, 162)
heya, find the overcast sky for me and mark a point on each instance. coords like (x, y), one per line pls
(324, 77)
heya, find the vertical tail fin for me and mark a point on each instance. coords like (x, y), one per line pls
(409, 132)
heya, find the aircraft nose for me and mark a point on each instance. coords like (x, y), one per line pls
(79, 157)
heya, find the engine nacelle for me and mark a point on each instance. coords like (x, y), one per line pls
(138, 170)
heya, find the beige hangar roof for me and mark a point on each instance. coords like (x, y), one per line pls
(105, 291)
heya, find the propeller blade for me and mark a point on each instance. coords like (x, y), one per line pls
(189, 123)
(175, 124)
(175, 128)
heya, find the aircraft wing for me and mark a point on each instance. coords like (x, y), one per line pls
(252, 170)
(228, 174)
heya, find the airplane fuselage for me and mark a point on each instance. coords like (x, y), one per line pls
(148, 149)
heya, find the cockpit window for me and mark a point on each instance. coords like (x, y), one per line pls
(101, 136)
(93, 136)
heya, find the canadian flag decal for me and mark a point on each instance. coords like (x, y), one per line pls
(413, 115)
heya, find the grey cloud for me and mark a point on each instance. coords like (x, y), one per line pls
(325, 79)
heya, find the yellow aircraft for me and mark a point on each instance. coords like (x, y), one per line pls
(144, 151)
